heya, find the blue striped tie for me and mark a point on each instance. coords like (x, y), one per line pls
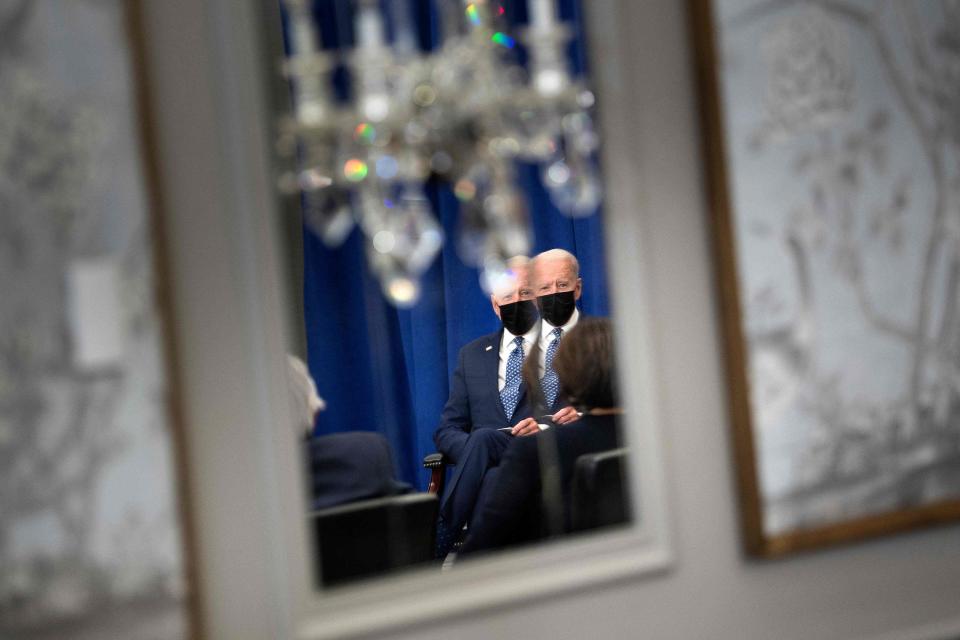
(550, 382)
(510, 394)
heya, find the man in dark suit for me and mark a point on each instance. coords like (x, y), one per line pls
(349, 467)
(556, 282)
(488, 403)
(343, 467)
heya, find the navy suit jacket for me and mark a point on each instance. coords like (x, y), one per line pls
(351, 466)
(474, 401)
(531, 371)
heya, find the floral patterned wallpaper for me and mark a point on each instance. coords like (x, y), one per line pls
(843, 139)
(90, 539)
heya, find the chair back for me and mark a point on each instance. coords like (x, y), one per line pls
(374, 537)
(599, 495)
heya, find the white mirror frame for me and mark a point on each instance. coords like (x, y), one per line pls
(254, 572)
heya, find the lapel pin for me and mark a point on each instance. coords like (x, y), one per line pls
(489, 346)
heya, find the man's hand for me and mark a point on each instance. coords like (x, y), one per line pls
(526, 427)
(566, 416)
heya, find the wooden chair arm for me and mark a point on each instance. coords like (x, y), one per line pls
(437, 464)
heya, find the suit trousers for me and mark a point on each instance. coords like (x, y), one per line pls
(473, 477)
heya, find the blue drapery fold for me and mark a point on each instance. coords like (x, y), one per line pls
(387, 370)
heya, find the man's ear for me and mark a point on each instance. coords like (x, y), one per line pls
(577, 290)
(496, 307)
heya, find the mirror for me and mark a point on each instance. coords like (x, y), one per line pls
(443, 157)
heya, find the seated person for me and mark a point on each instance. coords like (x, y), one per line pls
(555, 278)
(342, 467)
(512, 511)
(488, 403)
(351, 466)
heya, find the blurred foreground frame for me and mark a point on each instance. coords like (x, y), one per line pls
(96, 536)
(832, 156)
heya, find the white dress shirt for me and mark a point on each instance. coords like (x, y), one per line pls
(546, 336)
(506, 348)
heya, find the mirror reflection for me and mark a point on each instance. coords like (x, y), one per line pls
(456, 389)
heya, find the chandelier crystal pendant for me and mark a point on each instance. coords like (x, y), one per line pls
(465, 112)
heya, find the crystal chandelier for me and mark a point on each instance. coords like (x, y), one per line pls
(465, 113)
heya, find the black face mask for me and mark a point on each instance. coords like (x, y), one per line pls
(556, 308)
(518, 317)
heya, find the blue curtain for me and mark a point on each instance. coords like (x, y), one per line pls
(387, 370)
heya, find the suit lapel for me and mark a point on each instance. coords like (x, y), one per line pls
(530, 359)
(557, 401)
(491, 367)
(523, 393)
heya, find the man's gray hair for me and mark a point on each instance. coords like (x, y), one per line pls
(518, 261)
(560, 254)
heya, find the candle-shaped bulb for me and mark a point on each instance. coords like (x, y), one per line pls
(404, 32)
(543, 14)
(369, 27)
(303, 35)
(310, 96)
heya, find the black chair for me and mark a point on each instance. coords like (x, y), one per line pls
(374, 537)
(364, 522)
(599, 495)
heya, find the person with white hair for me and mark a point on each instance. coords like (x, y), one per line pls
(305, 402)
(556, 282)
(488, 404)
(342, 467)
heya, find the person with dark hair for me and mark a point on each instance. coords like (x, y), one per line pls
(585, 367)
(512, 511)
